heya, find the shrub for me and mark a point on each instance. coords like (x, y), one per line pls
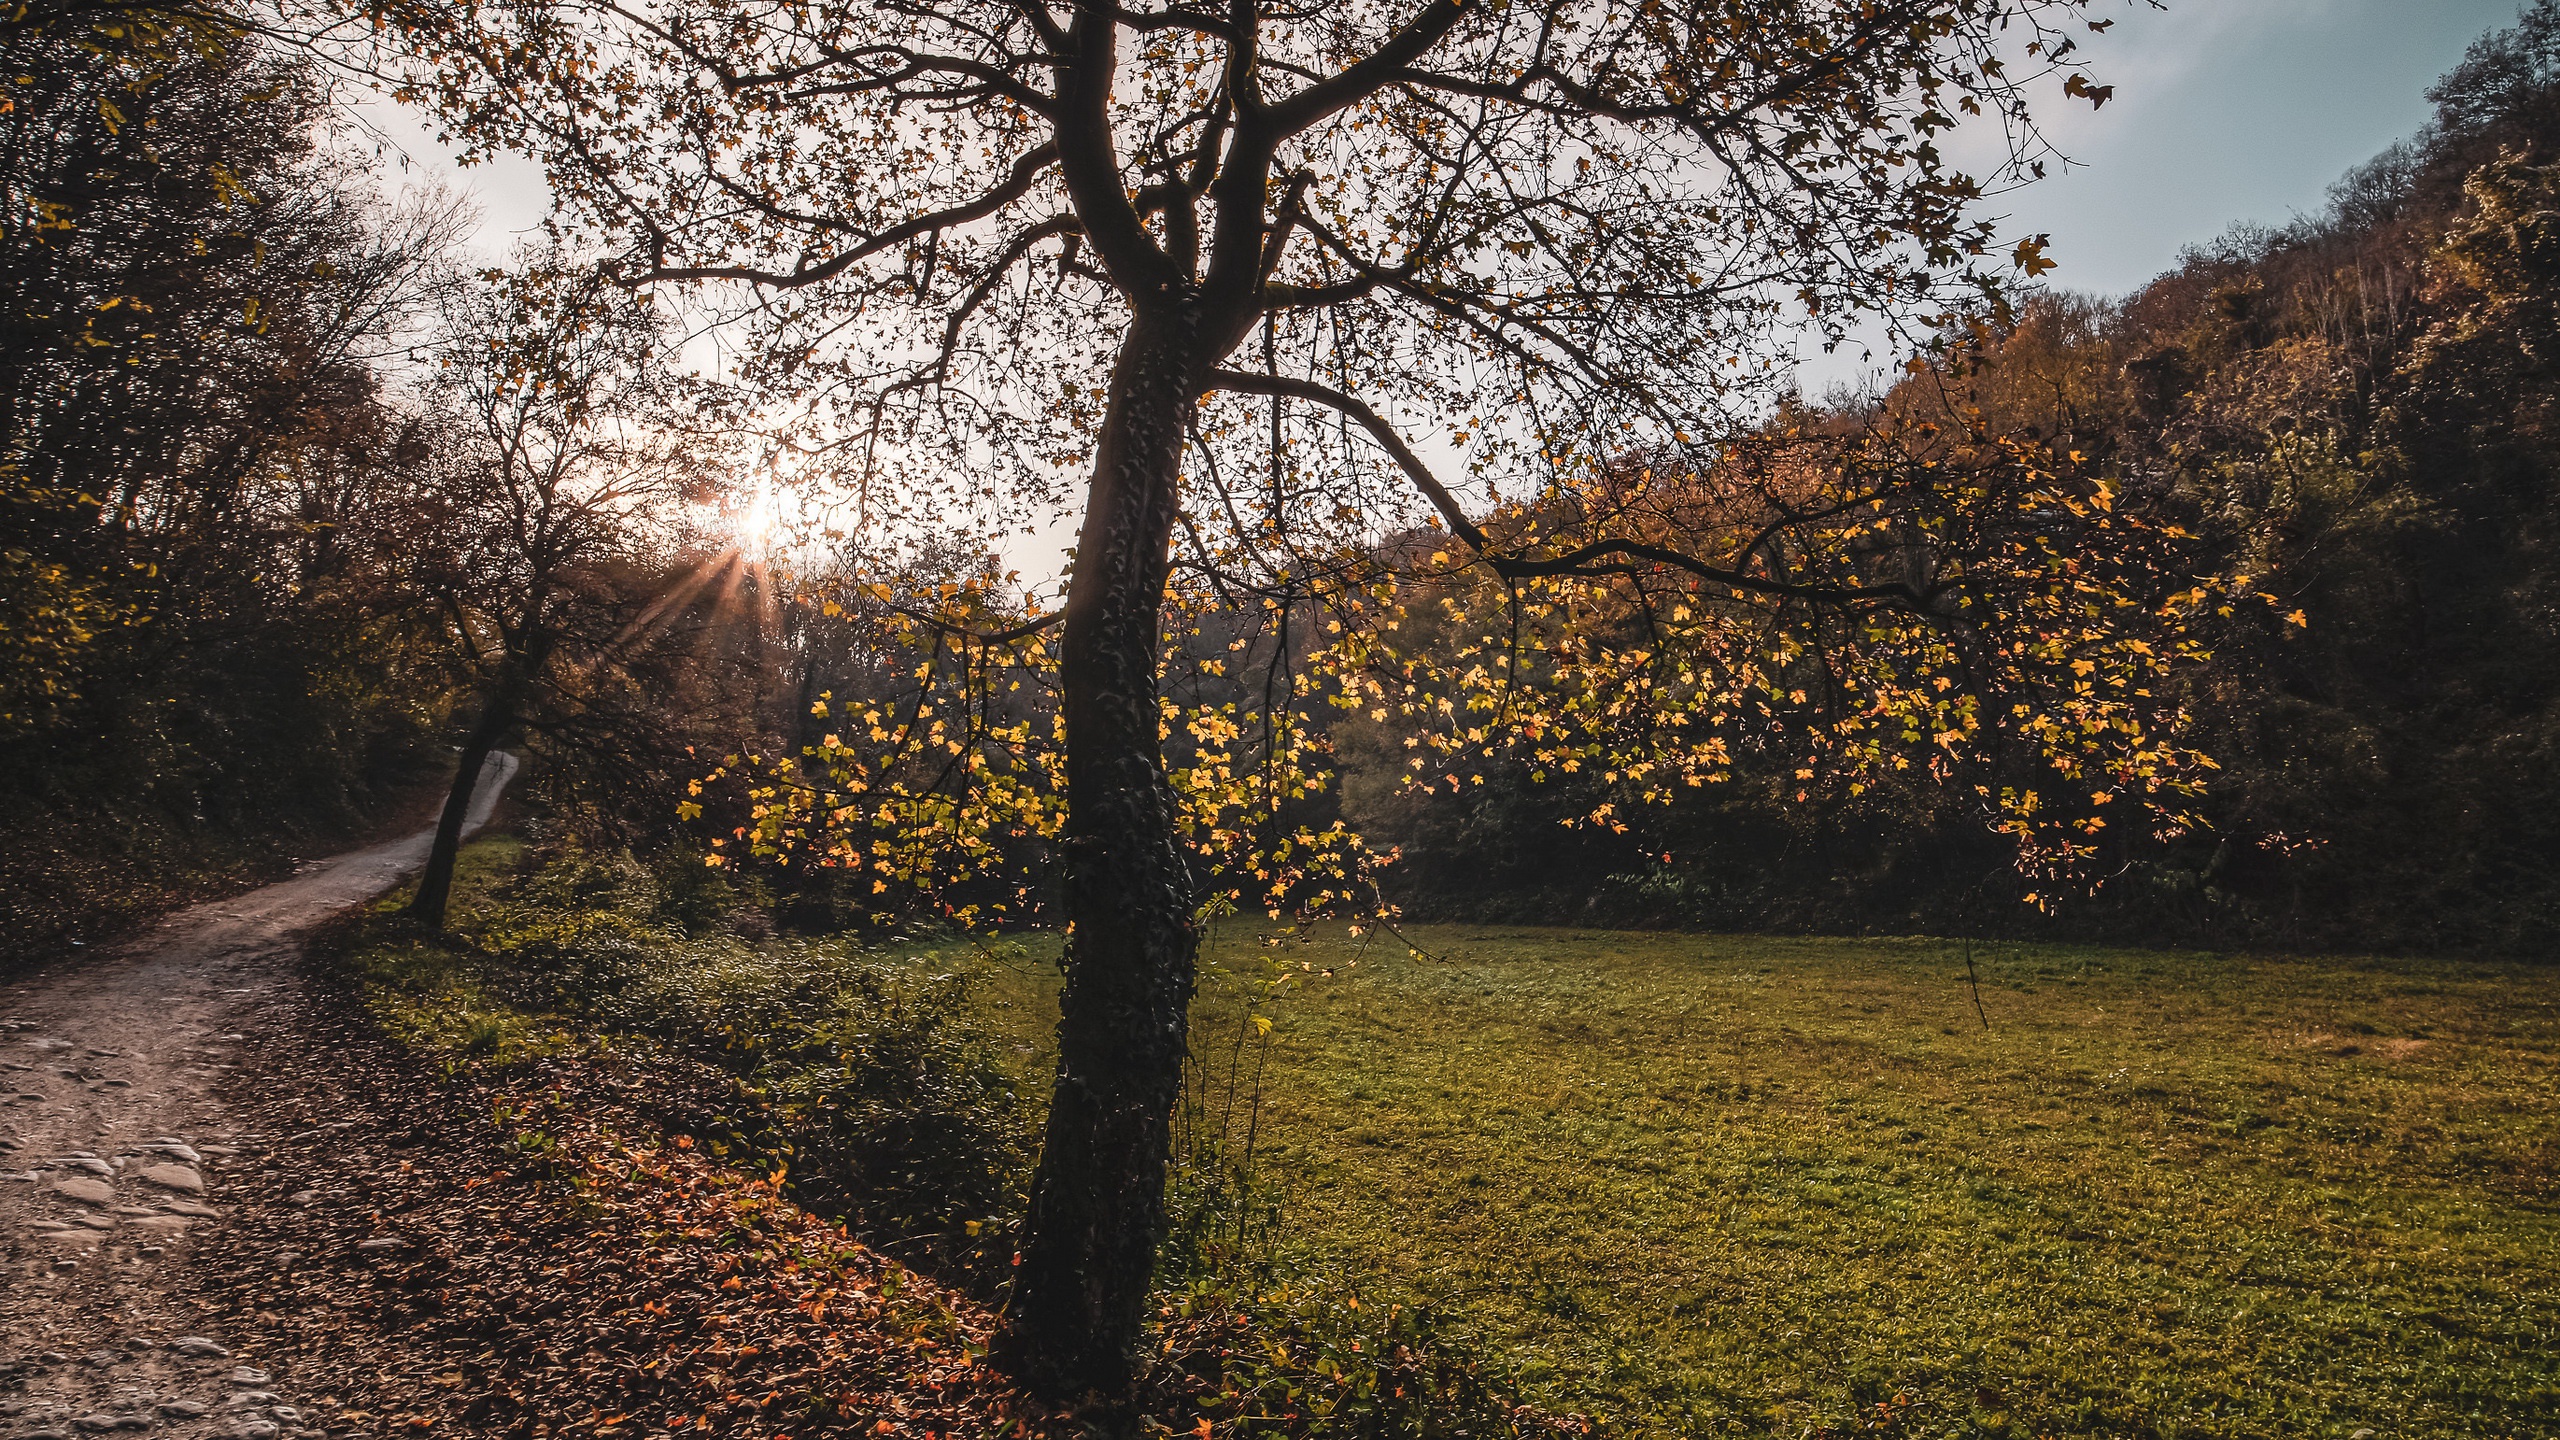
(864, 1075)
(875, 1085)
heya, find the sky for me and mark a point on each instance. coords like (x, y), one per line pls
(2224, 111)
(2233, 110)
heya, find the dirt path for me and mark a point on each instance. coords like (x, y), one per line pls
(114, 1151)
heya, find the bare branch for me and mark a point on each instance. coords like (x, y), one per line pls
(1247, 383)
(1025, 174)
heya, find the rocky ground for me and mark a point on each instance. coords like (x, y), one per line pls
(123, 1149)
(231, 1208)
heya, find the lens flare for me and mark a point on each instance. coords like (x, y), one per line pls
(755, 521)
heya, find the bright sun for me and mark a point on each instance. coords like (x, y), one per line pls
(753, 519)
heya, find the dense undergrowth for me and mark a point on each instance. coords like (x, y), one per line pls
(858, 1073)
(866, 1085)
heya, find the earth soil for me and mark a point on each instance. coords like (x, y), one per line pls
(120, 1150)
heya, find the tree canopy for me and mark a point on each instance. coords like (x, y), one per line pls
(991, 242)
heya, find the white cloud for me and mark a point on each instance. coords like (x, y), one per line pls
(509, 191)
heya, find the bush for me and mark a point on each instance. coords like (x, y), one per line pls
(874, 1084)
(862, 1074)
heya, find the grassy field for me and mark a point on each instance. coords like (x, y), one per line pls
(1712, 1185)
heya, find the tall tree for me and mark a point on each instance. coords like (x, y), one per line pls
(571, 445)
(193, 283)
(204, 659)
(1002, 241)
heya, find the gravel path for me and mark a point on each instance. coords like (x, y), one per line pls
(115, 1149)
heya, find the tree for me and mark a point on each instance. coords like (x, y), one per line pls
(193, 286)
(572, 443)
(204, 661)
(1001, 240)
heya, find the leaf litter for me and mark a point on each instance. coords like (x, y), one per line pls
(556, 1265)
(540, 1250)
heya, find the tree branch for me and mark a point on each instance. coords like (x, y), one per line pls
(1026, 174)
(1247, 383)
(1090, 163)
(1582, 561)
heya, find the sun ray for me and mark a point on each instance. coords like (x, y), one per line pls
(661, 610)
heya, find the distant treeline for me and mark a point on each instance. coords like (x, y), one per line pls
(2358, 412)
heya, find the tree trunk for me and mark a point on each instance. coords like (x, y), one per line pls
(435, 887)
(1097, 1205)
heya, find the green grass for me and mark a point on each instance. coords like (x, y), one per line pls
(1710, 1185)
(428, 994)
(1707, 1185)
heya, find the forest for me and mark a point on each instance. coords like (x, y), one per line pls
(1524, 875)
(241, 534)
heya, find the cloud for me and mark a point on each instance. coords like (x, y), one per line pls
(509, 191)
